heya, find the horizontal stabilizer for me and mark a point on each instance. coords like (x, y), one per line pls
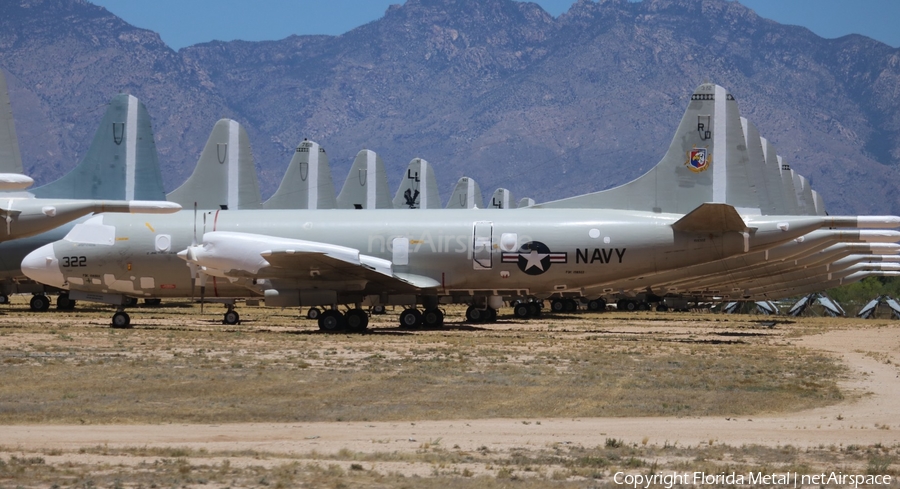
(14, 181)
(713, 218)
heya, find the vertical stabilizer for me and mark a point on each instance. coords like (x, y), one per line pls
(225, 175)
(121, 163)
(366, 186)
(757, 170)
(820, 204)
(503, 199)
(773, 178)
(466, 195)
(418, 189)
(10, 158)
(307, 182)
(706, 162)
(792, 207)
(805, 196)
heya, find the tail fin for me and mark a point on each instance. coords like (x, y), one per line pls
(366, 186)
(757, 167)
(503, 199)
(225, 175)
(706, 162)
(820, 204)
(525, 202)
(419, 189)
(787, 187)
(121, 163)
(773, 178)
(466, 195)
(307, 182)
(804, 195)
(10, 158)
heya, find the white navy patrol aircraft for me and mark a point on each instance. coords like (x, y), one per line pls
(383, 256)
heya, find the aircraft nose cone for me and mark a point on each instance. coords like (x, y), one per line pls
(41, 265)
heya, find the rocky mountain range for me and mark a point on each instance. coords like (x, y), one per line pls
(494, 89)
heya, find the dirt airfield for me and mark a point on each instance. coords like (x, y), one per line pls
(568, 400)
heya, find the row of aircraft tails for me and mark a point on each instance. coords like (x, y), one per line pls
(122, 164)
(721, 217)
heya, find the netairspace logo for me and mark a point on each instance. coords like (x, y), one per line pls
(756, 479)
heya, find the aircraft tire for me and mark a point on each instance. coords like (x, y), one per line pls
(662, 308)
(594, 305)
(534, 309)
(475, 315)
(522, 311)
(152, 302)
(491, 315)
(63, 303)
(557, 305)
(433, 318)
(331, 321)
(357, 320)
(571, 305)
(231, 317)
(4, 299)
(410, 318)
(121, 320)
(313, 313)
(643, 306)
(130, 302)
(630, 305)
(40, 303)
(379, 309)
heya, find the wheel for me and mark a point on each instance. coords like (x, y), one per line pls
(121, 320)
(630, 305)
(662, 307)
(4, 299)
(491, 315)
(534, 309)
(40, 303)
(130, 302)
(379, 309)
(433, 318)
(571, 305)
(643, 306)
(596, 305)
(475, 315)
(331, 320)
(557, 305)
(63, 303)
(410, 318)
(313, 313)
(152, 302)
(522, 310)
(231, 317)
(357, 320)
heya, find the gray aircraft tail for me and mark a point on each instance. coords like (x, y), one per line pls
(466, 195)
(307, 182)
(120, 164)
(707, 161)
(366, 186)
(418, 189)
(503, 199)
(787, 188)
(225, 175)
(10, 158)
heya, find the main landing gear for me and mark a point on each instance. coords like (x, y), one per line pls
(413, 318)
(525, 310)
(331, 320)
(39, 303)
(476, 314)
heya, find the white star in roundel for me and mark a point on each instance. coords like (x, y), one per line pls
(534, 260)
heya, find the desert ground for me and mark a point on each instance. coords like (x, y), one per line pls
(181, 400)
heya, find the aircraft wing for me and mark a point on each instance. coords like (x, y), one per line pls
(310, 263)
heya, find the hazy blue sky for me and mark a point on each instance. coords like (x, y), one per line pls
(185, 22)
